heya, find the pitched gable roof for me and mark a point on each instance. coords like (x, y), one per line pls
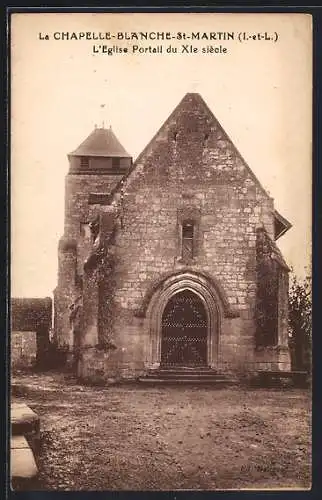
(101, 142)
(193, 102)
(281, 225)
(190, 100)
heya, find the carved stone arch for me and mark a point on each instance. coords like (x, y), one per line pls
(211, 299)
(202, 277)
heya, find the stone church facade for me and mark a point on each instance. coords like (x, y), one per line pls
(171, 260)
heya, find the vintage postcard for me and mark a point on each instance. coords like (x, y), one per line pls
(161, 169)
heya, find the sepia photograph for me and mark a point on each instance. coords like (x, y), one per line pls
(161, 302)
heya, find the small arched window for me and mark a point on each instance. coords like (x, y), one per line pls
(187, 239)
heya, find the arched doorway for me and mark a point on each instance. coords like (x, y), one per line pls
(184, 331)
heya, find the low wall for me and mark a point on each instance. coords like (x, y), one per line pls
(23, 349)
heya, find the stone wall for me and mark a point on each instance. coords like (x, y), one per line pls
(191, 167)
(272, 352)
(23, 351)
(189, 171)
(75, 244)
(31, 320)
(77, 190)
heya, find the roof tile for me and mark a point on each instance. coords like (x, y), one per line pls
(101, 142)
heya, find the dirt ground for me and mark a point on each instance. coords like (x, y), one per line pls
(168, 438)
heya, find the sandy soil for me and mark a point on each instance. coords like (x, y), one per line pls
(168, 438)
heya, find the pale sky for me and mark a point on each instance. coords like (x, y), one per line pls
(260, 91)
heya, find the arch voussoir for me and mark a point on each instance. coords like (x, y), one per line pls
(215, 305)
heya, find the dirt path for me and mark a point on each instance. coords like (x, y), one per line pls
(128, 438)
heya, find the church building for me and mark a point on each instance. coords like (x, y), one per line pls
(170, 262)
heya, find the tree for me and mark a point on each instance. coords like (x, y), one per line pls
(300, 322)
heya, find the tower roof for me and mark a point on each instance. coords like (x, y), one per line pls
(101, 142)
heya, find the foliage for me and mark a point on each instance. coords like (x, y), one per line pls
(300, 322)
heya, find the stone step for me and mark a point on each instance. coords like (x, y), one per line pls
(203, 372)
(184, 368)
(198, 377)
(203, 376)
(181, 381)
(200, 371)
(24, 421)
(22, 460)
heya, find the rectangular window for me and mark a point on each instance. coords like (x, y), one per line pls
(84, 162)
(98, 198)
(187, 239)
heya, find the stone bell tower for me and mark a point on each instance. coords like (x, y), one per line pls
(95, 169)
